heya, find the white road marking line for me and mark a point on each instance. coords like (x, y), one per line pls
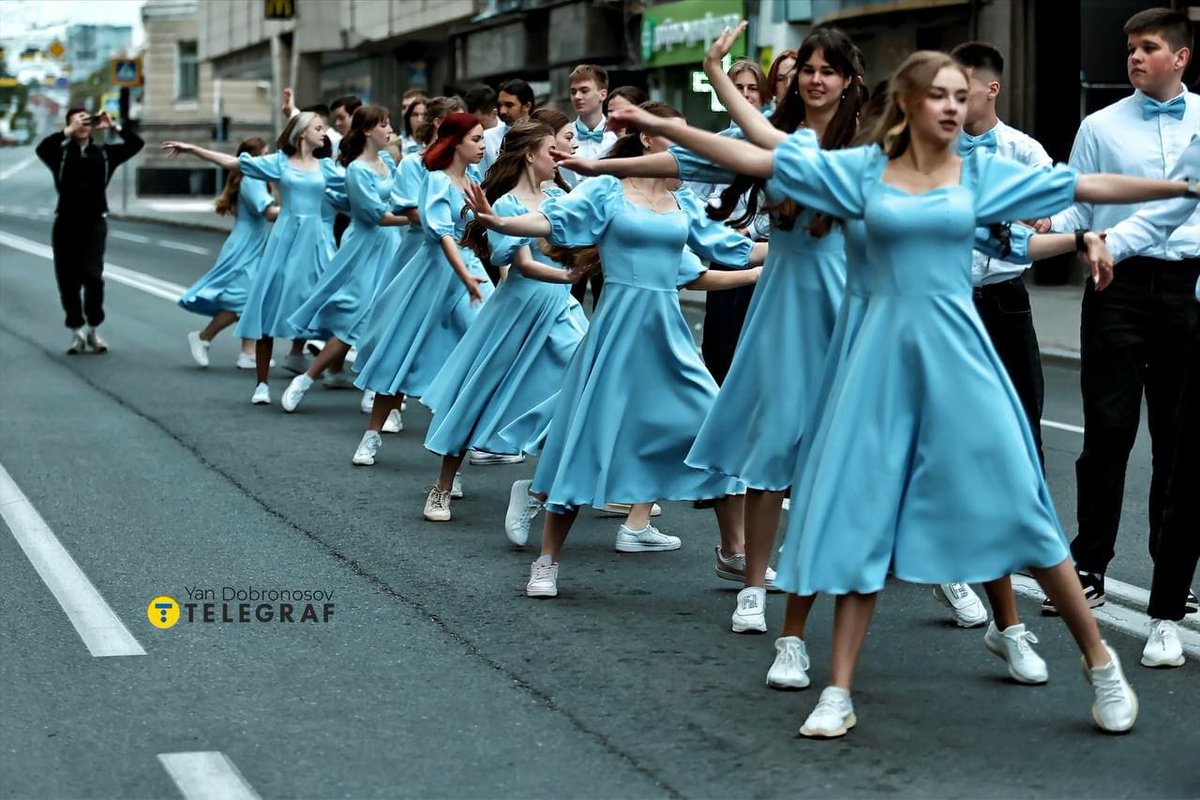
(97, 624)
(204, 775)
(1061, 426)
(130, 237)
(15, 168)
(187, 248)
(1115, 615)
(138, 280)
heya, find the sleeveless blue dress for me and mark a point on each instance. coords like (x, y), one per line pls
(513, 356)
(337, 304)
(418, 318)
(298, 250)
(920, 458)
(636, 391)
(225, 286)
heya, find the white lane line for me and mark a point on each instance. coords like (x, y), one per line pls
(1061, 426)
(1115, 615)
(17, 167)
(130, 237)
(205, 775)
(187, 248)
(100, 628)
(138, 280)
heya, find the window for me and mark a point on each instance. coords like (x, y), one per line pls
(187, 71)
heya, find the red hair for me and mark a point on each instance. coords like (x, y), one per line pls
(450, 135)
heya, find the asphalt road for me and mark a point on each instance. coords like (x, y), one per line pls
(435, 675)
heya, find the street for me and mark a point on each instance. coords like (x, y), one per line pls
(435, 675)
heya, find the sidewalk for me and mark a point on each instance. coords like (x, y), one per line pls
(1055, 308)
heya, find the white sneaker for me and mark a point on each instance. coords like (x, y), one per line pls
(199, 348)
(733, 568)
(1116, 706)
(962, 600)
(437, 505)
(833, 716)
(647, 540)
(294, 392)
(338, 380)
(456, 490)
(247, 361)
(1163, 648)
(94, 341)
(480, 458)
(78, 343)
(749, 617)
(522, 508)
(394, 422)
(295, 363)
(364, 456)
(543, 578)
(790, 670)
(367, 403)
(1013, 645)
(262, 395)
(624, 508)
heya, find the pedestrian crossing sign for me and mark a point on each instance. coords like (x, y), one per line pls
(126, 72)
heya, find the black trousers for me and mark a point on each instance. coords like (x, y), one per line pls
(1008, 319)
(724, 315)
(1179, 531)
(1134, 339)
(79, 267)
(340, 223)
(596, 279)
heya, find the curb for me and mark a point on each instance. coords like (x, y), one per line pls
(1061, 356)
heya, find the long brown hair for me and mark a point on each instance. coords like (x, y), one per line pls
(365, 119)
(847, 61)
(521, 139)
(227, 202)
(436, 110)
(910, 82)
(557, 120)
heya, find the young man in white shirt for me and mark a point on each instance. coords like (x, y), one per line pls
(514, 102)
(481, 101)
(1134, 334)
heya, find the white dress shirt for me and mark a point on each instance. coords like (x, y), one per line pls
(1119, 139)
(492, 139)
(1023, 148)
(588, 149)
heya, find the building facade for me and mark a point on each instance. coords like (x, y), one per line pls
(89, 47)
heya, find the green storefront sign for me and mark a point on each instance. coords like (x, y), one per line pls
(680, 33)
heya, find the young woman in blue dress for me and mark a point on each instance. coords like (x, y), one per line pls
(921, 462)
(221, 293)
(418, 319)
(513, 356)
(300, 245)
(335, 307)
(636, 391)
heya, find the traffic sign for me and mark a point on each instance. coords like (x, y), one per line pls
(56, 49)
(126, 72)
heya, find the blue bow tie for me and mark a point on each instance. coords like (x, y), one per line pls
(1151, 108)
(584, 135)
(967, 143)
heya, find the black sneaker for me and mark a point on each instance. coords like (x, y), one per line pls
(1093, 592)
(1192, 605)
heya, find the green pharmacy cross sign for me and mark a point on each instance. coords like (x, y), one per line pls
(680, 33)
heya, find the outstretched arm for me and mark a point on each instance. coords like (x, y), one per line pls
(714, 280)
(655, 165)
(531, 224)
(725, 151)
(1107, 189)
(757, 128)
(212, 156)
(1096, 255)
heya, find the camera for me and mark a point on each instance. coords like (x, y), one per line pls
(95, 120)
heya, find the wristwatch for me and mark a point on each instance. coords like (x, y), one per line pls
(1080, 245)
(1193, 188)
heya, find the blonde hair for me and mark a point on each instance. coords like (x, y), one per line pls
(910, 82)
(293, 130)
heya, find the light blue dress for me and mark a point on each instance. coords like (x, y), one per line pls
(418, 319)
(338, 302)
(224, 287)
(298, 250)
(919, 457)
(513, 356)
(636, 391)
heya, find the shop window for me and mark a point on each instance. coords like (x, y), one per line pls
(187, 72)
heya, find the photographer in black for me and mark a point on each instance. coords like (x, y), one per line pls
(82, 170)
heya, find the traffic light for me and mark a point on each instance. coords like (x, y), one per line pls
(279, 9)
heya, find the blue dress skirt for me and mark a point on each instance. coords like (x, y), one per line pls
(636, 391)
(337, 304)
(511, 359)
(919, 459)
(298, 249)
(225, 286)
(418, 319)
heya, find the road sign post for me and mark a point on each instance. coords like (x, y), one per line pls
(126, 72)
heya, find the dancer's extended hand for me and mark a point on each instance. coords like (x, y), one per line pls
(722, 45)
(1098, 259)
(175, 148)
(478, 203)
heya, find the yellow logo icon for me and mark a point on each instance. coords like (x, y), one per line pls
(163, 612)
